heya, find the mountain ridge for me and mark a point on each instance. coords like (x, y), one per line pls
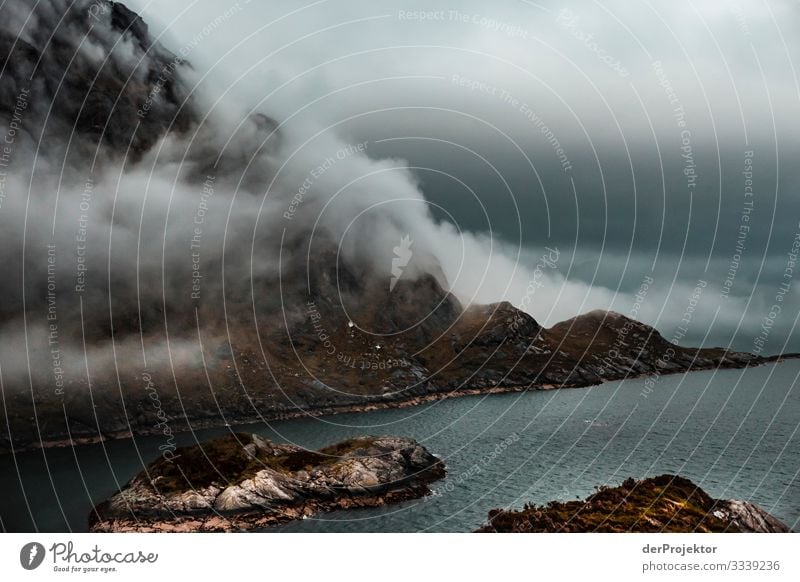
(324, 332)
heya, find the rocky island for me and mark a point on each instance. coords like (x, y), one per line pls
(667, 503)
(242, 481)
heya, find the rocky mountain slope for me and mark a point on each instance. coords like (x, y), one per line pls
(114, 93)
(415, 344)
(323, 332)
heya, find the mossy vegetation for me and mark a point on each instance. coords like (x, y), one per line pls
(661, 504)
(348, 447)
(225, 461)
(222, 460)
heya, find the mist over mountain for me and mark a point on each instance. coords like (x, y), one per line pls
(177, 255)
(479, 100)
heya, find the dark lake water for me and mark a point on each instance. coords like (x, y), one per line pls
(735, 433)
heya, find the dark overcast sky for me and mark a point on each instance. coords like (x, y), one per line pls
(638, 95)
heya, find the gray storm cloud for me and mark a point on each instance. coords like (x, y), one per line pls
(138, 206)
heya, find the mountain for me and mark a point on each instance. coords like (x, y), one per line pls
(413, 345)
(286, 324)
(96, 78)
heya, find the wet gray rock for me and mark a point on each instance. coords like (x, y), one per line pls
(242, 481)
(749, 517)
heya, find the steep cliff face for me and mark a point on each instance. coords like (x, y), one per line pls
(99, 83)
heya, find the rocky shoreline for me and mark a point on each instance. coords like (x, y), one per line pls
(371, 405)
(664, 504)
(242, 481)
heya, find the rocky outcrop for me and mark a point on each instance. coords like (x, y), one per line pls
(242, 481)
(95, 74)
(748, 517)
(667, 503)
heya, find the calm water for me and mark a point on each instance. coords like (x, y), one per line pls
(735, 433)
